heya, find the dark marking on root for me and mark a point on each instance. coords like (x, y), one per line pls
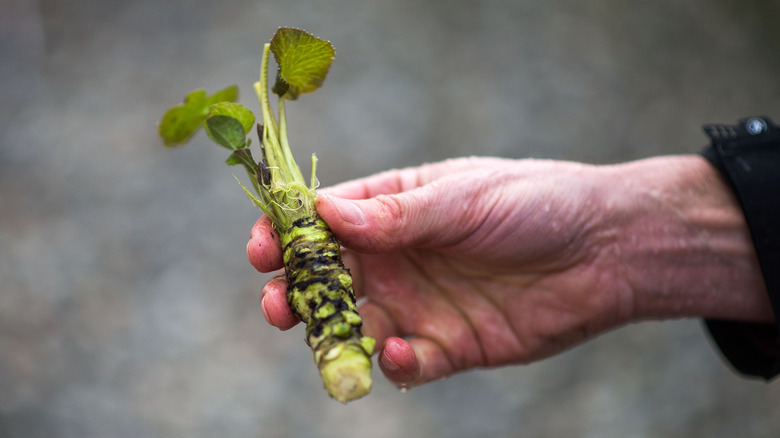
(319, 285)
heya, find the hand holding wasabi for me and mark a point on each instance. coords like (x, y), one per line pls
(482, 262)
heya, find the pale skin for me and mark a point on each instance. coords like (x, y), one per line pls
(481, 262)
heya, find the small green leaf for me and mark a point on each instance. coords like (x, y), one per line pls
(196, 98)
(243, 156)
(229, 94)
(226, 131)
(304, 61)
(235, 110)
(233, 159)
(182, 121)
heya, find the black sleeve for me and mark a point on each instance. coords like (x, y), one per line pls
(748, 156)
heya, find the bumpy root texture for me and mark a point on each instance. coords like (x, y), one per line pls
(320, 293)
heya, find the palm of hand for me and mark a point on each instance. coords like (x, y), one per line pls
(458, 315)
(503, 291)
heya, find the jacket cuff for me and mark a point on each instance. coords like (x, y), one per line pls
(748, 156)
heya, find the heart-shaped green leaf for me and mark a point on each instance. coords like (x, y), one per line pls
(235, 110)
(304, 61)
(226, 131)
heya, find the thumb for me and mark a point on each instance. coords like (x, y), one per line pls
(388, 222)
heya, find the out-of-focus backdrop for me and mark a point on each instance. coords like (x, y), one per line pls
(127, 306)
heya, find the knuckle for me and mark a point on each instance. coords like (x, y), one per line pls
(391, 208)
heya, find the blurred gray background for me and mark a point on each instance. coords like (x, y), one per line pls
(127, 306)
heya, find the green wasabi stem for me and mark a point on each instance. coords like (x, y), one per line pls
(320, 286)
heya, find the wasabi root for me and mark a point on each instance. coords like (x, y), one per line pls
(320, 287)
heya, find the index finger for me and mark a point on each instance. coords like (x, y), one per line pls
(401, 180)
(384, 183)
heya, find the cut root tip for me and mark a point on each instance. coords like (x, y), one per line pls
(348, 377)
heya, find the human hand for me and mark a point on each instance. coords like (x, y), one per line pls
(483, 262)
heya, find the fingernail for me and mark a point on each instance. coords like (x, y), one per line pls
(388, 364)
(349, 212)
(262, 307)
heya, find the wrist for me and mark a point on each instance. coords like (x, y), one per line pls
(683, 244)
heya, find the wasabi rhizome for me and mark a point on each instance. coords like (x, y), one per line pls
(320, 287)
